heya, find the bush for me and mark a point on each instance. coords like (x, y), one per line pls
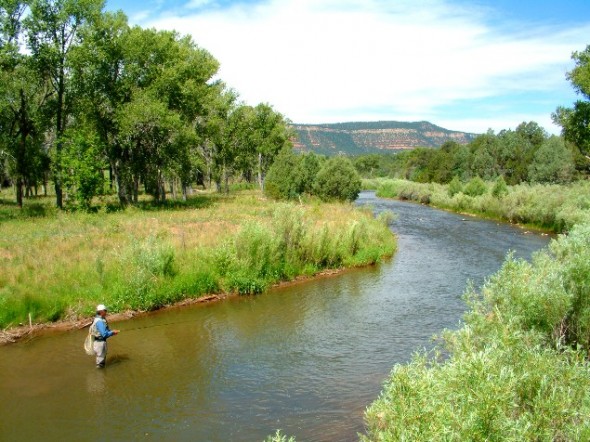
(475, 187)
(338, 180)
(455, 186)
(281, 181)
(500, 188)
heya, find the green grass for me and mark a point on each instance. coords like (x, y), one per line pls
(551, 207)
(59, 265)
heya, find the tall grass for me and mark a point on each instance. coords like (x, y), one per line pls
(553, 207)
(518, 368)
(61, 265)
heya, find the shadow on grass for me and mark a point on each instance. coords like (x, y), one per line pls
(9, 210)
(193, 202)
(41, 209)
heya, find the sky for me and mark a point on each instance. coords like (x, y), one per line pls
(463, 65)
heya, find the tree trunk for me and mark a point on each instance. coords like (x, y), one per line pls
(19, 192)
(59, 133)
(260, 180)
(225, 179)
(173, 189)
(121, 186)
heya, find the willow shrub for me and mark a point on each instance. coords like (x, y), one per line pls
(518, 368)
(554, 207)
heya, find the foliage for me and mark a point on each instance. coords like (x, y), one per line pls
(292, 176)
(282, 179)
(511, 154)
(552, 163)
(575, 122)
(147, 101)
(455, 186)
(517, 370)
(83, 176)
(279, 437)
(475, 187)
(337, 180)
(554, 207)
(500, 187)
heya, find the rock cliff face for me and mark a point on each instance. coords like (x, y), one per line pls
(373, 137)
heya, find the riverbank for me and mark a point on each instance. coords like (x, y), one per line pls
(554, 208)
(58, 267)
(518, 366)
(31, 331)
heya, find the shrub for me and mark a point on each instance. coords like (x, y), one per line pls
(337, 180)
(500, 188)
(517, 370)
(455, 186)
(281, 180)
(475, 187)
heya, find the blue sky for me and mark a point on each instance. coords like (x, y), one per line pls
(465, 65)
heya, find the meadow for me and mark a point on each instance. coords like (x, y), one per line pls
(58, 265)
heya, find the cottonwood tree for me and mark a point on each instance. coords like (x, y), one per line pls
(23, 96)
(270, 135)
(53, 28)
(575, 121)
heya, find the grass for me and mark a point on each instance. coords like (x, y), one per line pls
(551, 207)
(59, 265)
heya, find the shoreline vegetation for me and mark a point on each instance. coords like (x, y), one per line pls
(555, 208)
(517, 369)
(59, 265)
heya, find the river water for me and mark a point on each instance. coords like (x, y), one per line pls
(308, 358)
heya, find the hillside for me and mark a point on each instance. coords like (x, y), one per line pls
(373, 137)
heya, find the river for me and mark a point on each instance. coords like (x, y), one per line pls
(307, 358)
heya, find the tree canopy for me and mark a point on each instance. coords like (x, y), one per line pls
(92, 104)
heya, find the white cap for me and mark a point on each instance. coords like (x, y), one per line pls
(100, 307)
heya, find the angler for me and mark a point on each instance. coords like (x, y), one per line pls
(101, 332)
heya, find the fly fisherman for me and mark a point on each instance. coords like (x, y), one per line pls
(101, 332)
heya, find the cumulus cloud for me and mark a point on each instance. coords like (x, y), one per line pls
(325, 60)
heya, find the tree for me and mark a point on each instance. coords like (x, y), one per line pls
(23, 95)
(484, 155)
(53, 30)
(282, 177)
(552, 163)
(117, 66)
(271, 134)
(338, 180)
(575, 122)
(149, 132)
(307, 170)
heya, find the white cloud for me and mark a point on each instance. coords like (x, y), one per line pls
(326, 60)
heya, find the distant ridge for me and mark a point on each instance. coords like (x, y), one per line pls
(356, 138)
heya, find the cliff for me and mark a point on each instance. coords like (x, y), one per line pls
(373, 137)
